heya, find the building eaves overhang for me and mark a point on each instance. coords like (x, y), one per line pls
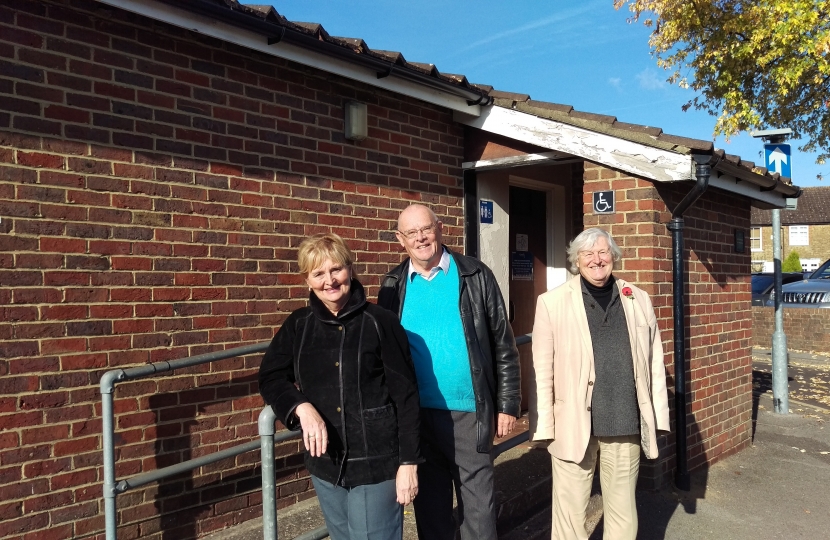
(672, 160)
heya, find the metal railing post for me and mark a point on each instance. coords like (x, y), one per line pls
(265, 426)
(108, 442)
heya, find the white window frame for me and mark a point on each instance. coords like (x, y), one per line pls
(753, 237)
(799, 235)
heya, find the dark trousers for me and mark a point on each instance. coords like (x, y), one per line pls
(448, 442)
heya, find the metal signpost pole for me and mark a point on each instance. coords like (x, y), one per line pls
(780, 389)
(777, 158)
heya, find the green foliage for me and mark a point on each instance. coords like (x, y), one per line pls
(755, 65)
(792, 263)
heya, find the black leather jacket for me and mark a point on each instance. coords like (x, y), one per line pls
(494, 359)
(356, 369)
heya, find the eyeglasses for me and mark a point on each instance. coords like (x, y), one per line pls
(426, 230)
(588, 255)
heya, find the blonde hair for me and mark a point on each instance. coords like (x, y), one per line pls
(585, 241)
(317, 249)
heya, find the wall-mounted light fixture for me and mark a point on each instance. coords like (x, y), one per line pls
(356, 124)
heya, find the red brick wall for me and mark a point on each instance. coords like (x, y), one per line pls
(154, 185)
(719, 328)
(807, 329)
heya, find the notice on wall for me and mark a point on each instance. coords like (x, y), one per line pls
(521, 264)
(604, 202)
(521, 242)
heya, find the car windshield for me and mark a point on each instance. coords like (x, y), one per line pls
(823, 272)
(762, 282)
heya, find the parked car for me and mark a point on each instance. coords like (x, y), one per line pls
(812, 292)
(763, 283)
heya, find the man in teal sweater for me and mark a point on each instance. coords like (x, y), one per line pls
(467, 367)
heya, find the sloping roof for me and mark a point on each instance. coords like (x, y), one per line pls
(813, 209)
(266, 20)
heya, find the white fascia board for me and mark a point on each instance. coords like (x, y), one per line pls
(516, 161)
(251, 40)
(747, 189)
(634, 158)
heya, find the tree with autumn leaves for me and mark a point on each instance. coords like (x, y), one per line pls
(755, 64)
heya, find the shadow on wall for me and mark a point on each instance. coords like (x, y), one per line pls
(192, 422)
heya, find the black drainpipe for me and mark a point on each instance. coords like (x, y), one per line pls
(703, 168)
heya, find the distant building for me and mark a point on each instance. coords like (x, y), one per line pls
(805, 230)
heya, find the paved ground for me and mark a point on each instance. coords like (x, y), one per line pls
(809, 377)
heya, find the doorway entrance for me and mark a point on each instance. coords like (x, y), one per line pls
(528, 246)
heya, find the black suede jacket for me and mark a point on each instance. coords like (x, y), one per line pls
(355, 368)
(494, 359)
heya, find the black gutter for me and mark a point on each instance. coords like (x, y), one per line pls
(703, 169)
(224, 13)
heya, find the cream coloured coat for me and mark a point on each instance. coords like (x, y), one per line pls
(563, 361)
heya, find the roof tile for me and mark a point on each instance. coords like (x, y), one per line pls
(550, 106)
(499, 94)
(602, 118)
(653, 131)
(692, 144)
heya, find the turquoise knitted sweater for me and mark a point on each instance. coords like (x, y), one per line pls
(432, 321)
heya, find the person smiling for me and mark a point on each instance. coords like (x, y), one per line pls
(467, 367)
(600, 387)
(340, 370)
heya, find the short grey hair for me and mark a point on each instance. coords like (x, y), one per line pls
(585, 241)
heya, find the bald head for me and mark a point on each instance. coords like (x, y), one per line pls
(415, 212)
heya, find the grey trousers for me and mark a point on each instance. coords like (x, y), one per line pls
(448, 442)
(369, 512)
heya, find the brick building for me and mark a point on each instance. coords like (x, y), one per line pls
(805, 230)
(161, 160)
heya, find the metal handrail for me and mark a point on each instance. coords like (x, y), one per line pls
(107, 385)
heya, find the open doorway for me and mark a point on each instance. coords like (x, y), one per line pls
(528, 267)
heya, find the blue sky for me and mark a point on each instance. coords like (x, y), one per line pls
(584, 54)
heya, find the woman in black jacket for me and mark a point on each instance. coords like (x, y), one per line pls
(340, 370)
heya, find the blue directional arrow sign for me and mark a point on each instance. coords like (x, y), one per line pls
(777, 159)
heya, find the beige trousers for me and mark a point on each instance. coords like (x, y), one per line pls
(619, 465)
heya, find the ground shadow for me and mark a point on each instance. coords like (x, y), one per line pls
(761, 384)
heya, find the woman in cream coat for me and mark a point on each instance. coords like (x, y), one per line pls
(600, 387)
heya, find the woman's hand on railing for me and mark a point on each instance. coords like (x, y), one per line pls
(406, 483)
(315, 436)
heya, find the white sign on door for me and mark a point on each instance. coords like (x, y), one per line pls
(521, 242)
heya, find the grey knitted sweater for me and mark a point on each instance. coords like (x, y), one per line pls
(614, 410)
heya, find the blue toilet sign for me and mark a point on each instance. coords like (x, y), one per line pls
(486, 211)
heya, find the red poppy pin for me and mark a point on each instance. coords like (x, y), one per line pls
(628, 293)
